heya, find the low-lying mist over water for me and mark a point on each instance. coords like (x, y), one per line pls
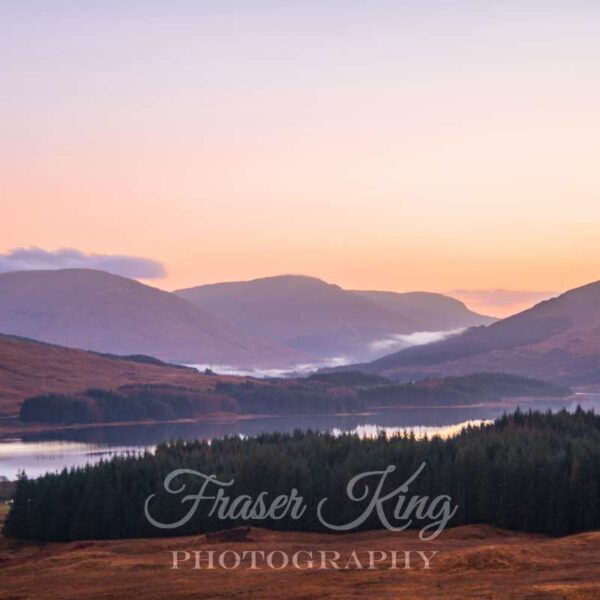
(294, 371)
(376, 349)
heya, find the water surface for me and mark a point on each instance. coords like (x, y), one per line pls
(38, 453)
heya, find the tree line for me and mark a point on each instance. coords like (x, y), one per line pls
(324, 393)
(460, 390)
(534, 472)
(295, 396)
(128, 403)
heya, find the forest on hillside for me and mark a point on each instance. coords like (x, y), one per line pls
(461, 390)
(128, 403)
(327, 393)
(535, 472)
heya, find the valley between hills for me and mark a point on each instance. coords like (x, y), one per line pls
(49, 387)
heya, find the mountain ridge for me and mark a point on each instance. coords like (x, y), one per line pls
(96, 310)
(311, 315)
(432, 311)
(557, 339)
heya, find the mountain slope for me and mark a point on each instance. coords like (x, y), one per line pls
(557, 339)
(95, 310)
(430, 311)
(303, 312)
(28, 368)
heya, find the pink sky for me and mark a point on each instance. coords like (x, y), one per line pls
(383, 145)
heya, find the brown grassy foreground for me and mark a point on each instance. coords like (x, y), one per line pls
(4, 508)
(473, 563)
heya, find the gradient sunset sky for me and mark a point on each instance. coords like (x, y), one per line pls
(433, 145)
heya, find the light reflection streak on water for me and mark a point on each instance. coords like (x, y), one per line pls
(419, 432)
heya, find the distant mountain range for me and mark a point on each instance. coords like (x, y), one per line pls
(323, 319)
(558, 339)
(428, 311)
(94, 310)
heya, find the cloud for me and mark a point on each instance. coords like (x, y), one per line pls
(502, 298)
(27, 259)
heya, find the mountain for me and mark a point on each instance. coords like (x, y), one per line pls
(321, 318)
(558, 339)
(429, 311)
(94, 310)
(28, 367)
(303, 312)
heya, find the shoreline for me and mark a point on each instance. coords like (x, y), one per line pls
(218, 417)
(16, 427)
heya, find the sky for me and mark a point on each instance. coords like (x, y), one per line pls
(423, 145)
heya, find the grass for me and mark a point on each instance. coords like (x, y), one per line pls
(4, 508)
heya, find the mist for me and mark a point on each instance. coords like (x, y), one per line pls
(377, 349)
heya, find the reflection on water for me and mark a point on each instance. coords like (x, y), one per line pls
(419, 431)
(37, 453)
(40, 456)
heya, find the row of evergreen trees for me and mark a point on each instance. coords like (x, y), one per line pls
(464, 389)
(323, 393)
(292, 397)
(128, 403)
(536, 472)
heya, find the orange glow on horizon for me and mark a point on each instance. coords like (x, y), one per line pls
(386, 147)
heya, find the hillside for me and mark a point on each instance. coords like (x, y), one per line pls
(324, 319)
(28, 368)
(94, 310)
(558, 339)
(460, 391)
(431, 312)
(303, 312)
(323, 393)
